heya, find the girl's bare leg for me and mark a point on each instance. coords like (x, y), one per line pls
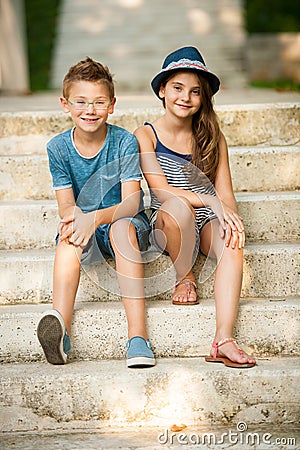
(227, 287)
(175, 232)
(130, 271)
(65, 280)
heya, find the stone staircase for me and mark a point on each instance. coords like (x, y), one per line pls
(132, 37)
(95, 390)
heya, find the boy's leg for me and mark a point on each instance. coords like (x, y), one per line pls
(130, 275)
(227, 287)
(66, 277)
(54, 327)
(123, 239)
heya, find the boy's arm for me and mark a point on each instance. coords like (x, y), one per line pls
(78, 227)
(128, 207)
(65, 201)
(66, 209)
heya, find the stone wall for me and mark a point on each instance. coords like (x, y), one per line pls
(273, 56)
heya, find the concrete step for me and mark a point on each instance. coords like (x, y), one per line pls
(253, 169)
(141, 437)
(243, 125)
(265, 168)
(267, 217)
(100, 331)
(270, 270)
(92, 395)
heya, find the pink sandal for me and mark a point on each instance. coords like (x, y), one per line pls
(223, 359)
(188, 284)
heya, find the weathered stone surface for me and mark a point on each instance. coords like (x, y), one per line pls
(95, 394)
(271, 217)
(252, 168)
(265, 168)
(243, 125)
(99, 329)
(152, 438)
(269, 271)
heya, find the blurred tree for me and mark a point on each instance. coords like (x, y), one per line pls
(13, 54)
(272, 16)
(41, 21)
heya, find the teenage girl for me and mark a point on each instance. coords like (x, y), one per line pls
(184, 158)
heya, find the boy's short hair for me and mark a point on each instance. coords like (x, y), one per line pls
(88, 70)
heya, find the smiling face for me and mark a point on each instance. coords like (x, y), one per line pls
(91, 119)
(181, 94)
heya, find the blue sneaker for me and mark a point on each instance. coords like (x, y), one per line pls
(139, 353)
(53, 337)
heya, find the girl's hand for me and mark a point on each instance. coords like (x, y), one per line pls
(234, 237)
(235, 234)
(231, 224)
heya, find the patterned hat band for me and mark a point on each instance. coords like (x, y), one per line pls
(185, 64)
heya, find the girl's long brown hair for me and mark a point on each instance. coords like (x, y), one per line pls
(207, 133)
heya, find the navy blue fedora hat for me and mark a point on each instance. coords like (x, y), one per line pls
(185, 58)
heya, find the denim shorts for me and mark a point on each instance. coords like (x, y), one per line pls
(99, 247)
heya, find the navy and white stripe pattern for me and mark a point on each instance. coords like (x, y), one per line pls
(181, 174)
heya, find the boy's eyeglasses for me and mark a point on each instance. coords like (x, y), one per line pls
(83, 105)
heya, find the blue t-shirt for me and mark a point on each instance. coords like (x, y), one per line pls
(96, 181)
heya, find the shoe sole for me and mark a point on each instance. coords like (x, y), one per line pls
(140, 361)
(50, 332)
(228, 363)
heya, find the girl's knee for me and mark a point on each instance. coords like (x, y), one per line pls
(175, 203)
(176, 212)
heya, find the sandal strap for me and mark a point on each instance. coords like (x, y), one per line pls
(187, 283)
(216, 345)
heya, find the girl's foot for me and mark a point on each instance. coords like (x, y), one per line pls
(227, 352)
(185, 293)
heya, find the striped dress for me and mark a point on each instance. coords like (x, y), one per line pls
(180, 173)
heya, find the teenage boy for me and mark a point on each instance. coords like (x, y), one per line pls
(96, 178)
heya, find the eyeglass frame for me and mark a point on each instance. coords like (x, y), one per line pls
(86, 104)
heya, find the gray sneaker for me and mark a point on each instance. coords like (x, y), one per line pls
(139, 353)
(53, 337)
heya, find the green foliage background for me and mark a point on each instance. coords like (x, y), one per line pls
(41, 22)
(272, 16)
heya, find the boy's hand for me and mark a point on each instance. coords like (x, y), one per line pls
(78, 227)
(65, 230)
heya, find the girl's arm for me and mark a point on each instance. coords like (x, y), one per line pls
(224, 189)
(155, 176)
(223, 182)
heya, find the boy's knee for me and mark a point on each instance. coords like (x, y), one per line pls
(122, 229)
(68, 253)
